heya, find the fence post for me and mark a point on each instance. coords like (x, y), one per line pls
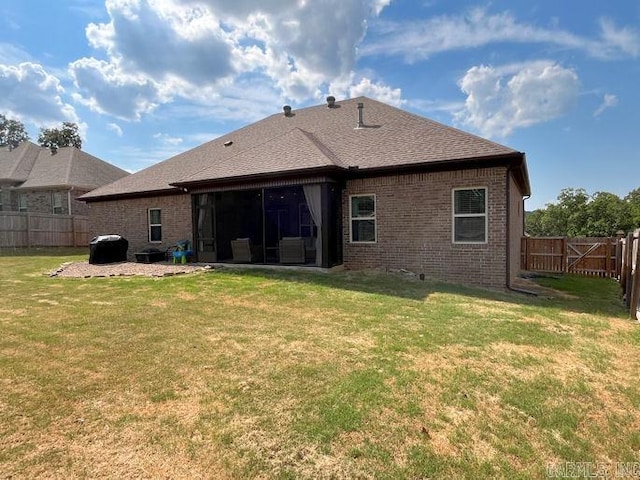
(619, 258)
(629, 261)
(565, 255)
(73, 230)
(623, 264)
(28, 230)
(619, 241)
(635, 283)
(607, 260)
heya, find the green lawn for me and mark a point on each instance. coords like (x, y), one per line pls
(260, 374)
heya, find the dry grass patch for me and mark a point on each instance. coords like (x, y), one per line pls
(296, 375)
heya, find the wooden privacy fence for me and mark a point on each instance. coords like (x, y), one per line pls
(24, 230)
(585, 256)
(630, 273)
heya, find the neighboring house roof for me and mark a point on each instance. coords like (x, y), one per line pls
(32, 167)
(319, 139)
(16, 164)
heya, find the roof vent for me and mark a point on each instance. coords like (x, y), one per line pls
(287, 110)
(228, 143)
(360, 115)
(331, 100)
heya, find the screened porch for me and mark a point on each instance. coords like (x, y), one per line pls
(291, 225)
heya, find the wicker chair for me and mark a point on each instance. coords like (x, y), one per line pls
(244, 251)
(292, 250)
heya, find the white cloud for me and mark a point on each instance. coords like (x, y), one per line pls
(167, 139)
(164, 41)
(11, 54)
(421, 39)
(114, 127)
(500, 100)
(160, 50)
(347, 88)
(608, 101)
(105, 88)
(616, 41)
(33, 95)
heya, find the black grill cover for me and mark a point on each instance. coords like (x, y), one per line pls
(108, 249)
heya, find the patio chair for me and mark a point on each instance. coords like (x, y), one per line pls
(244, 251)
(292, 250)
(181, 251)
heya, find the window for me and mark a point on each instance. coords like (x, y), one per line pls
(470, 215)
(22, 202)
(155, 225)
(57, 202)
(362, 216)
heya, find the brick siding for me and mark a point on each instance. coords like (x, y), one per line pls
(414, 227)
(41, 201)
(129, 218)
(516, 228)
(5, 199)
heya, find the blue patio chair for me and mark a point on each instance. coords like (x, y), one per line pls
(182, 251)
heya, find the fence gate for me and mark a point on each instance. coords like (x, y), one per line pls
(584, 256)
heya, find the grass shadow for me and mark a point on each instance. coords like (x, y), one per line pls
(589, 295)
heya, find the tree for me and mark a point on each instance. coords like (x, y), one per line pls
(577, 214)
(67, 136)
(633, 200)
(12, 132)
(607, 214)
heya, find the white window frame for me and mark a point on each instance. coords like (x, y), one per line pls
(154, 224)
(53, 203)
(22, 206)
(485, 215)
(374, 218)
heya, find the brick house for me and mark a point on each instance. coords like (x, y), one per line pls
(39, 180)
(356, 183)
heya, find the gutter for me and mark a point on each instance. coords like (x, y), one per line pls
(325, 170)
(123, 196)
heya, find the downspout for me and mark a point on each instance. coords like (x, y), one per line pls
(69, 199)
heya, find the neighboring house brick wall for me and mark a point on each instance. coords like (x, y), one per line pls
(41, 201)
(78, 207)
(38, 201)
(516, 228)
(9, 198)
(5, 199)
(129, 218)
(414, 227)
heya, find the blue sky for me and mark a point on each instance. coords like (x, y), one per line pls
(146, 79)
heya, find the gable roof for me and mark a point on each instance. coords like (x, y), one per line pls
(318, 139)
(16, 164)
(32, 167)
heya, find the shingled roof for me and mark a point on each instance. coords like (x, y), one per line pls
(16, 164)
(32, 167)
(319, 139)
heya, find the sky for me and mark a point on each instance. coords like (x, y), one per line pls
(147, 79)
